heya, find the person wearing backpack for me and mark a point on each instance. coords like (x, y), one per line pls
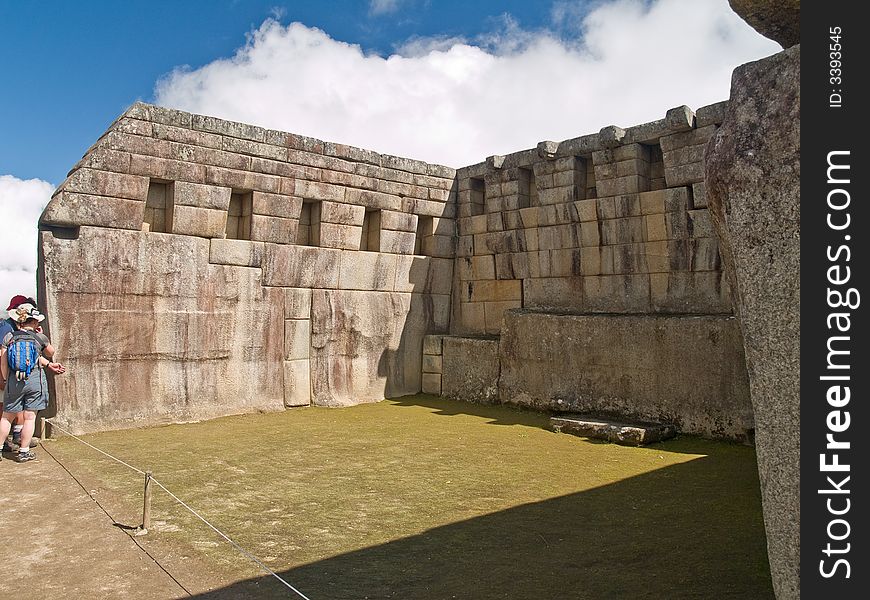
(8, 326)
(25, 353)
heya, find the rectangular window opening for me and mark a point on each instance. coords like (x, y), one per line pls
(371, 231)
(239, 216)
(656, 167)
(527, 188)
(158, 207)
(424, 232)
(309, 224)
(478, 196)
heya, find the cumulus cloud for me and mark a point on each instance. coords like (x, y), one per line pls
(21, 203)
(454, 102)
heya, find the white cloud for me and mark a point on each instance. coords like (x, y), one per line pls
(454, 103)
(21, 203)
(382, 7)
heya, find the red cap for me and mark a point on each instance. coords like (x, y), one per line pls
(16, 302)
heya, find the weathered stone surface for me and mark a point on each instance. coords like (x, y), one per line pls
(301, 266)
(680, 118)
(297, 383)
(625, 434)
(366, 347)
(398, 221)
(297, 303)
(432, 345)
(241, 253)
(367, 271)
(343, 214)
(432, 384)
(431, 364)
(274, 229)
(297, 334)
(470, 369)
(683, 370)
(276, 205)
(69, 209)
(151, 332)
(345, 237)
(712, 114)
(779, 20)
(201, 196)
(397, 242)
(753, 190)
(203, 222)
(103, 183)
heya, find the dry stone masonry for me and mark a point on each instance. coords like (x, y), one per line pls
(194, 267)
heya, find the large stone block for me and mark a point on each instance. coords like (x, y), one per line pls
(365, 346)
(241, 253)
(470, 369)
(397, 242)
(412, 273)
(297, 336)
(301, 266)
(684, 370)
(297, 303)
(753, 191)
(69, 209)
(202, 222)
(367, 271)
(103, 183)
(398, 221)
(276, 205)
(343, 214)
(201, 196)
(346, 237)
(153, 333)
(274, 229)
(297, 383)
(778, 20)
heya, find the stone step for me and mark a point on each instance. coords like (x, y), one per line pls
(626, 434)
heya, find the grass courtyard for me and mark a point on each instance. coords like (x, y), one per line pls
(426, 498)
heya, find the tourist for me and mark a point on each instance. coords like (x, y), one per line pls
(23, 355)
(7, 326)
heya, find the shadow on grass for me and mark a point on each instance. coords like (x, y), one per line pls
(498, 414)
(692, 530)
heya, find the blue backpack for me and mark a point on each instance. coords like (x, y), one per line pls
(22, 353)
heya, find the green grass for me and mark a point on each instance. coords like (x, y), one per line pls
(427, 498)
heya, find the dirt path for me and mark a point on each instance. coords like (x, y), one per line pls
(71, 548)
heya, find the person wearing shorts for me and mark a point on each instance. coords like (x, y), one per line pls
(8, 326)
(25, 396)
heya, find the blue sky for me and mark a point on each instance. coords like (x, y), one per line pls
(72, 67)
(448, 82)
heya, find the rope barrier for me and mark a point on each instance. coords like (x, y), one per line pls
(250, 556)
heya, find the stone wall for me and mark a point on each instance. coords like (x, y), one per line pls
(195, 267)
(611, 222)
(684, 370)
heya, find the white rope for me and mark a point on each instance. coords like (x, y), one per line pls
(196, 514)
(223, 535)
(115, 458)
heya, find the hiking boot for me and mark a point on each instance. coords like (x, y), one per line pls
(25, 456)
(7, 447)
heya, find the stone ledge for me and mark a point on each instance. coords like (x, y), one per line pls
(625, 434)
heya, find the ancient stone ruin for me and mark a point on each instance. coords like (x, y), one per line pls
(195, 267)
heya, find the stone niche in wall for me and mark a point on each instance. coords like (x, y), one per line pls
(613, 222)
(194, 267)
(588, 278)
